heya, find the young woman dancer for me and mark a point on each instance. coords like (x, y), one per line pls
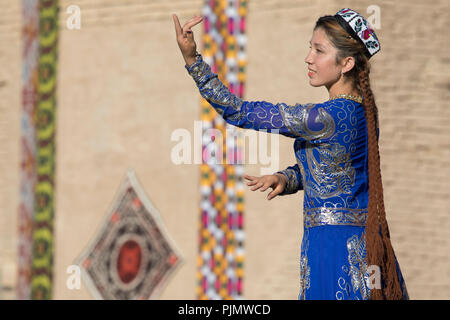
(346, 252)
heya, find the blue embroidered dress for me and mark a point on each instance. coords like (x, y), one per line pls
(331, 150)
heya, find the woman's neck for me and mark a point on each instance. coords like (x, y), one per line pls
(339, 88)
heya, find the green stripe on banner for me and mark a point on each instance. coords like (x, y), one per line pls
(42, 256)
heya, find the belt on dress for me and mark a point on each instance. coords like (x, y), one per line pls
(314, 217)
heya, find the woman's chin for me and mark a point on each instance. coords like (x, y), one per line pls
(313, 83)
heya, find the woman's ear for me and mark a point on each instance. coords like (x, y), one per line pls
(347, 64)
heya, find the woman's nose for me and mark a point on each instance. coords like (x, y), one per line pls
(308, 58)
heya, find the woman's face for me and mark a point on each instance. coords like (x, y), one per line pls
(322, 68)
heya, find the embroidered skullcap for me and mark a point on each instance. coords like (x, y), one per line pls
(359, 29)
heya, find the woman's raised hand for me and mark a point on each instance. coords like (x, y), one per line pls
(275, 181)
(185, 38)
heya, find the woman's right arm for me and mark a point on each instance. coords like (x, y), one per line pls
(289, 120)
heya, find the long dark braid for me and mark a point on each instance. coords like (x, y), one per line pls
(377, 229)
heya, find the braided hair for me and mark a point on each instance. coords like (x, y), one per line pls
(379, 248)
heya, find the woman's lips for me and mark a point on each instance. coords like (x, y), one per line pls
(310, 73)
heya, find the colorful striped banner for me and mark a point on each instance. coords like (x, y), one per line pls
(221, 252)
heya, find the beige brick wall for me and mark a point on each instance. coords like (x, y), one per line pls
(10, 105)
(117, 108)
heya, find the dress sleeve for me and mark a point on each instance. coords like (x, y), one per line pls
(294, 178)
(290, 121)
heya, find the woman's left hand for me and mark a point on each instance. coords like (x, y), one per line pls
(275, 181)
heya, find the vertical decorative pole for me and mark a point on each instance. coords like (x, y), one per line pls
(30, 57)
(221, 248)
(43, 244)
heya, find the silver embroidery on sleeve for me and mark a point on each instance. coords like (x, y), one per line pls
(293, 185)
(296, 119)
(200, 71)
(215, 91)
(212, 89)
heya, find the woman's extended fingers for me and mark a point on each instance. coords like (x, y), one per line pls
(187, 26)
(275, 192)
(192, 22)
(257, 186)
(178, 29)
(252, 179)
(265, 186)
(264, 183)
